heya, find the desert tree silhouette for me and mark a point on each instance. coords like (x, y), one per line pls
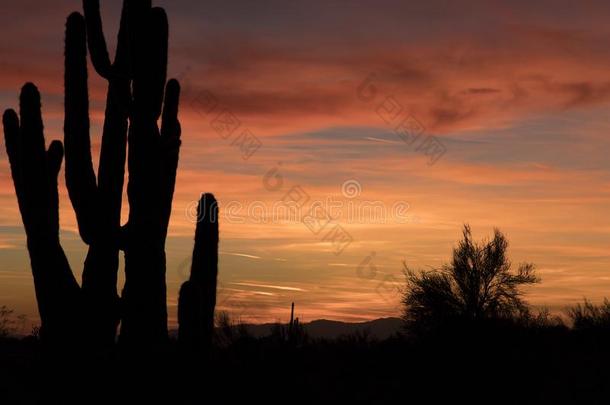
(591, 317)
(137, 98)
(477, 285)
(6, 321)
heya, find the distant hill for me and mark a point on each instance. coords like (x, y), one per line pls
(323, 328)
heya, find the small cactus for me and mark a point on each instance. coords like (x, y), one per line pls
(296, 333)
(290, 325)
(197, 299)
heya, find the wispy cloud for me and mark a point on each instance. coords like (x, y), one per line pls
(275, 287)
(240, 255)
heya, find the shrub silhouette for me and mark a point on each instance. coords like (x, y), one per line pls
(6, 321)
(590, 317)
(542, 319)
(477, 285)
(230, 331)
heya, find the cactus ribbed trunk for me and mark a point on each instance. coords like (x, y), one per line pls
(197, 300)
(144, 296)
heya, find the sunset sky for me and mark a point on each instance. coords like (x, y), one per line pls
(517, 94)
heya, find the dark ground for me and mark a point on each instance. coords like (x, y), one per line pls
(551, 366)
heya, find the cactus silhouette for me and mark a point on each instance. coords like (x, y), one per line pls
(96, 202)
(138, 90)
(34, 171)
(197, 298)
(137, 97)
(291, 324)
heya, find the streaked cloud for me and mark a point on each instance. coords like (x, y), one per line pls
(240, 255)
(275, 287)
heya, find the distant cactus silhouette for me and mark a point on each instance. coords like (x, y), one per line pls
(197, 299)
(291, 324)
(295, 330)
(137, 94)
(294, 334)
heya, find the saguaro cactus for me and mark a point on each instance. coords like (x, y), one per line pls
(137, 81)
(136, 94)
(197, 299)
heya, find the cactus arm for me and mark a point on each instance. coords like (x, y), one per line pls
(158, 48)
(170, 150)
(33, 167)
(80, 177)
(122, 59)
(10, 121)
(95, 37)
(170, 129)
(113, 155)
(114, 139)
(111, 171)
(34, 172)
(55, 155)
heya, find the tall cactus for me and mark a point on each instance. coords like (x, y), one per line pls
(137, 79)
(136, 95)
(197, 299)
